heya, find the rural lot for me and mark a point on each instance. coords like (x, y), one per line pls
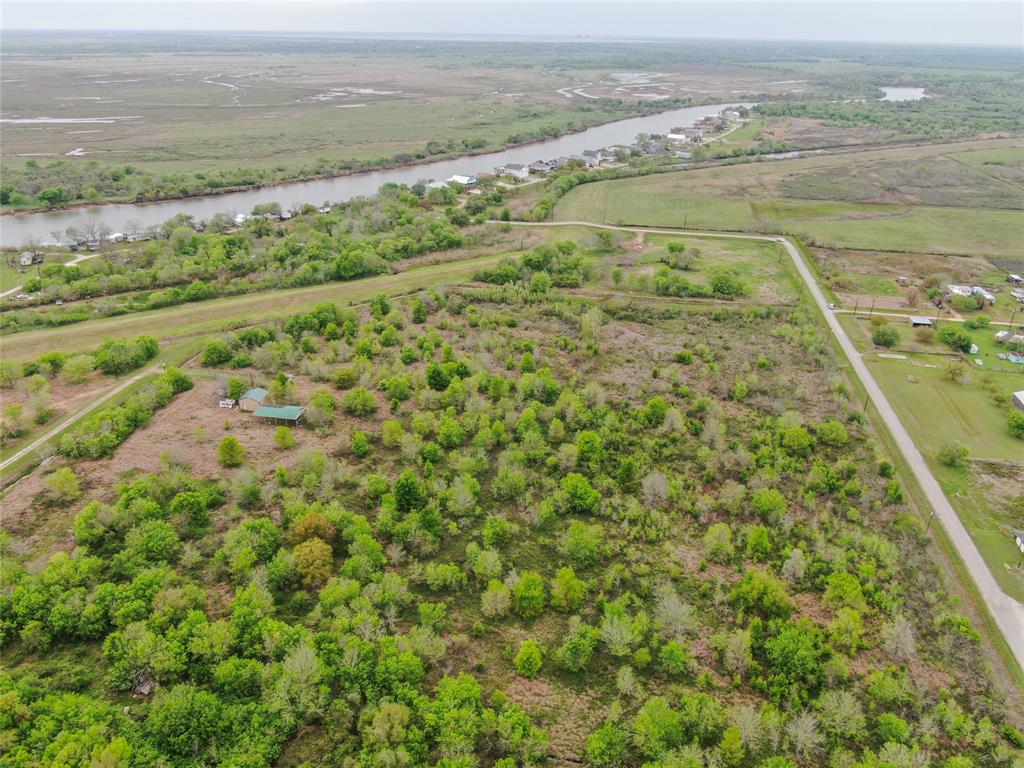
(702, 450)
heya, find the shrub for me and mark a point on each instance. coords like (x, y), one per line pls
(953, 455)
(529, 659)
(528, 595)
(314, 561)
(1015, 424)
(885, 336)
(567, 590)
(955, 337)
(77, 369)
(185, 721)
(63, 485)
(359, 402)
(231, 453)
(346, 378)
(578, 496)
(216, 352)
(283, 438)
(760, 591)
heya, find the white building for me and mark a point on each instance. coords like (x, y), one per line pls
(977, 290)
(959, 290)
(463, 180)
(516, 170)
(1018, 400)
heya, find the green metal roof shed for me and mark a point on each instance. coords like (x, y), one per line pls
(290, 413)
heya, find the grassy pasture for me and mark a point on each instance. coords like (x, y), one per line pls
(940, 412)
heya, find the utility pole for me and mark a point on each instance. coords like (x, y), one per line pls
(872, 308)
(856, 306)
(930, 518)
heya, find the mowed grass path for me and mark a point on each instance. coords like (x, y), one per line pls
(224, 313)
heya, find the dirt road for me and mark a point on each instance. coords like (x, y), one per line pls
(56, 429)
(1007, 612)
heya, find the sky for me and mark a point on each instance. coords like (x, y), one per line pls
(983, 22)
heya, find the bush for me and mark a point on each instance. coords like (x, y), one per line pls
(283, 438)
(529, 659)
(953, 455)
(77, 369)
(359, 402)
(314, 561)
(215, 353)
(885, 336)
(1015, 423)
(185, 721)
(955, 337)
(63, 485)
(528, 595)
(231, 453)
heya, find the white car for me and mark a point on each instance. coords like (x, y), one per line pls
(226, 403)
(833, 307)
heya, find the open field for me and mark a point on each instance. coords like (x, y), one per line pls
(940, 412)
(596, 384)
(752, 198)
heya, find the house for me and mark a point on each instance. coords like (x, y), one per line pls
(977, 290)
(1018, 295)
(463, 180)
(324, 209)
(1002, 336)
(917, 321)
(541, 167)
(437, 185)
(560, 161)
(959, 290)
(26, 259)
(93, 245)
(591, 157)
(1018, 400)
(516, 170)
(686, 135)
(286, 413)
(1014, 279)
(241, 218)
(116, 237)
(253, 399)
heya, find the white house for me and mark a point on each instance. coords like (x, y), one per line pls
(1015, 279)
(463, 180)
(516, 170)
(1018, 400)
(959, 290)
(1002, 336)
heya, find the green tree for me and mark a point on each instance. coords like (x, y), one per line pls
(185, 721)
(529, 659)
(578, 496)
(231, 452)
(528, 595)
(885, 336)
(283, 438)
(63, 485)
(52, 197)
(1015, 424)
(567, 590)
(359, 402)
(77, 369)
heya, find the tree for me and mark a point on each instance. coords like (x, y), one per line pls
(528, 595)
(231, 452)
(215, 353)
(283, 438)
(955, 337)
(185, 721)
(582, 543)
(77, 369)
(53, 197)
(608, 747)
(577, 494)
(314, 561)
(1015, 424)
(567, 590)
(529, 659)
(794, 663)
(63, 484)
(760, 591)
(953, 455)
(657, 728)
(885, 336)
(359, 402)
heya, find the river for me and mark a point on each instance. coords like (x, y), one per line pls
(16, 230)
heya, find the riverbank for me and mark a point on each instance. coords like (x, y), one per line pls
(650, 110)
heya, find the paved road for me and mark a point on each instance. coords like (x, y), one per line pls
(1007, 612)
(50, 433)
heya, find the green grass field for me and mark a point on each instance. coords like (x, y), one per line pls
(938, 412)
(676, 200)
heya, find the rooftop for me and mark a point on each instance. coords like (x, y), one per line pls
(289, 412)
(256, 393)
